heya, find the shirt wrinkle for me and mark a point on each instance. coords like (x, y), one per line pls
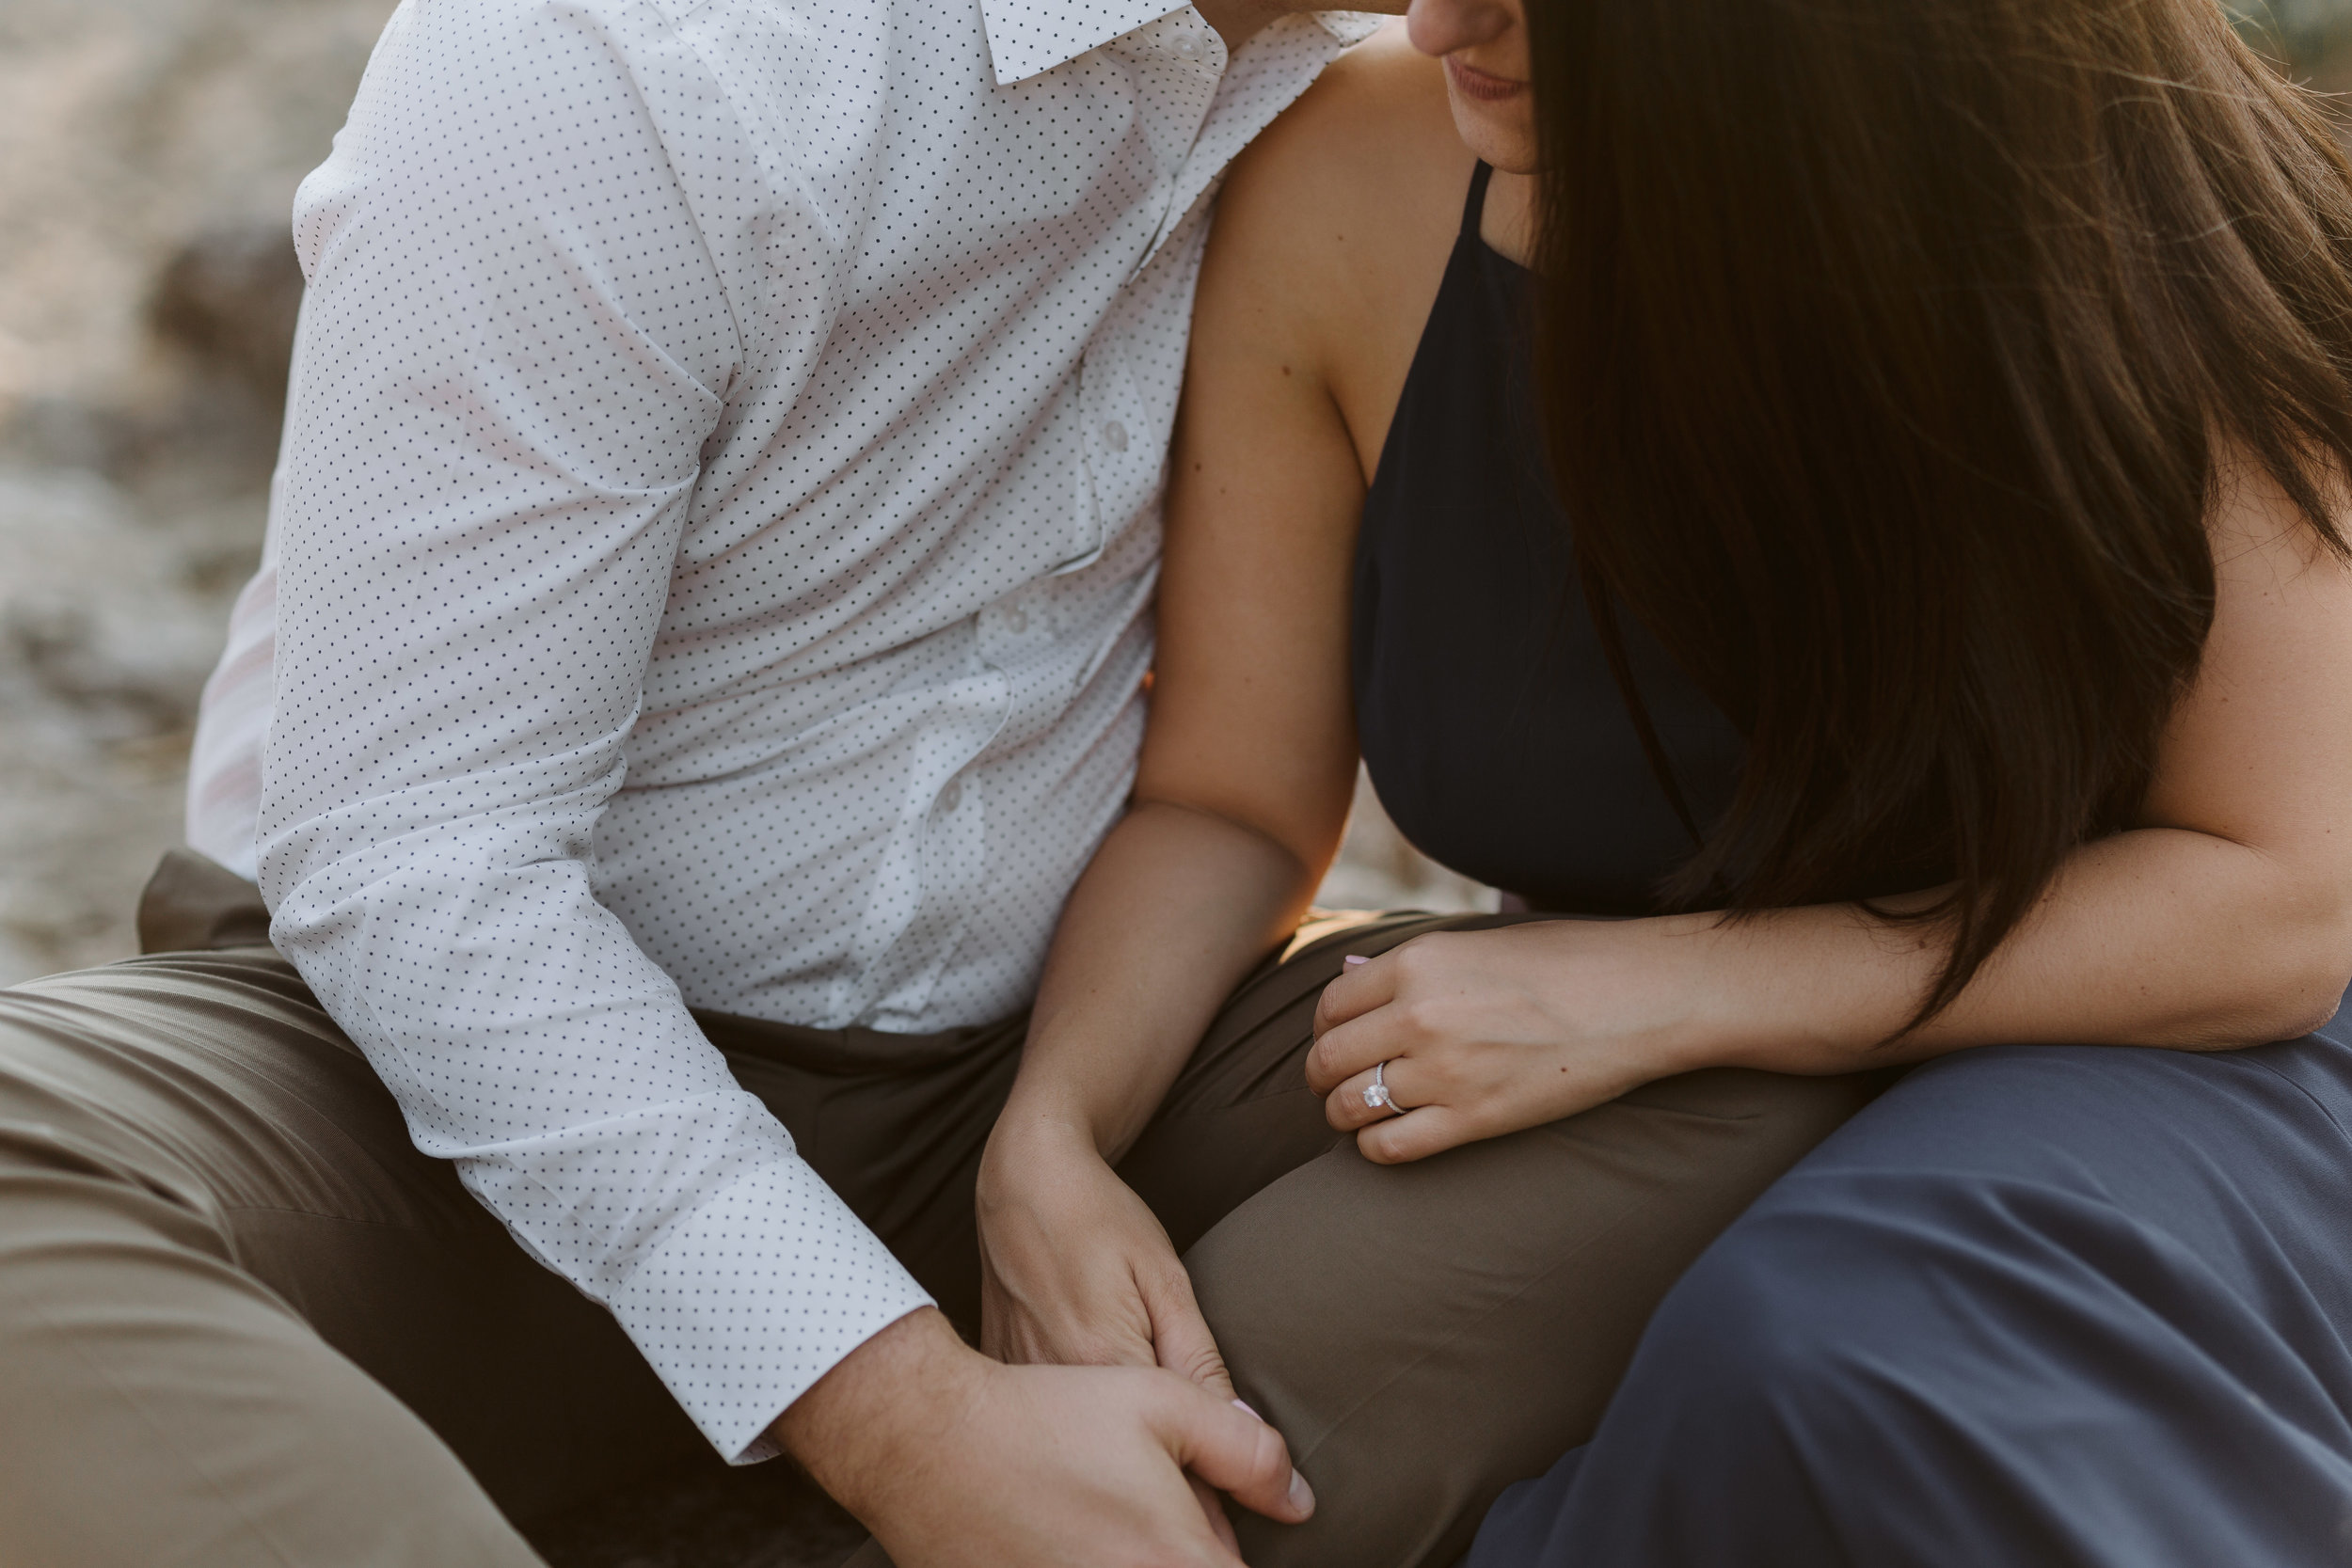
(573, 692)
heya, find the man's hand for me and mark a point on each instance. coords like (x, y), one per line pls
(1074, 1269)
(954, 1460)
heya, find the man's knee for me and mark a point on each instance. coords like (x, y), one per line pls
(211, 1077)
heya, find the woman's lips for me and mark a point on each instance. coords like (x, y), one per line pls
(1473, 83)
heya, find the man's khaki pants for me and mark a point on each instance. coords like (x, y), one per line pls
(243, 1322)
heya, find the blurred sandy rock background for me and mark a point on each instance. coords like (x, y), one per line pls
(148, 155)
(148, 289)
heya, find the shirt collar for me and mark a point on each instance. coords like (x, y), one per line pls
(1027, 37)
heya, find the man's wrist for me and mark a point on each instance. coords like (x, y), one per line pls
(865, 1429)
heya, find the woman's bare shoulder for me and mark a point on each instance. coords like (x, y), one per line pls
(1332, 234)
(1380, 103)
(1358, 186)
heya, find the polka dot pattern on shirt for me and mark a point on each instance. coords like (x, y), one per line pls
(712, 554)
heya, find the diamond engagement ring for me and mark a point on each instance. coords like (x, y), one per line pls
(1377, 1095)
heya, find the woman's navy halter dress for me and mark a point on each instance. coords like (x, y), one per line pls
(2037, 1304)
(1490, 720)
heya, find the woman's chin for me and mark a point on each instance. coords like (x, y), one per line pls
(1500, 134)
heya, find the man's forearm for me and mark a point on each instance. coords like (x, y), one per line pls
(1175, 908)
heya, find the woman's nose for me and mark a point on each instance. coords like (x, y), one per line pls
(1442, 27)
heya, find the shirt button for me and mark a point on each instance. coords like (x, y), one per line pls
(1017, 621)
(1188, 46)
(951, 797)
(1115, 436)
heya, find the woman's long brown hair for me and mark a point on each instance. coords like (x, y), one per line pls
(1886, 349)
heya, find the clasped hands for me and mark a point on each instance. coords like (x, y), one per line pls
(1482, 1033)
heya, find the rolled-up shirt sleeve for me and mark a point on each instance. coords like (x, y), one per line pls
(528, 259)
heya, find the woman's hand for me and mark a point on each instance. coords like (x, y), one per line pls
(1483, 1033)
(1075, 1272)
(1074, 1269)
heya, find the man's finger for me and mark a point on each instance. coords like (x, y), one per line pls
(1212, 1506)
(1181, 1336)
(1235, 1452)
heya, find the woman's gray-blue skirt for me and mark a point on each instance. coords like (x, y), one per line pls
(2036, 1306)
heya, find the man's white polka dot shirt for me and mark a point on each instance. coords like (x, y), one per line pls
(711, 564)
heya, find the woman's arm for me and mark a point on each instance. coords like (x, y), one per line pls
(1249, 763)
(1249, 759)
(2224, 919)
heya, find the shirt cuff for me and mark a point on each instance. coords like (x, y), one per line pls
(750, 1299)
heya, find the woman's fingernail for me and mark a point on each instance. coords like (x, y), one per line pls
(1354, 958)
(1302, 1495)
(1244, 1405)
